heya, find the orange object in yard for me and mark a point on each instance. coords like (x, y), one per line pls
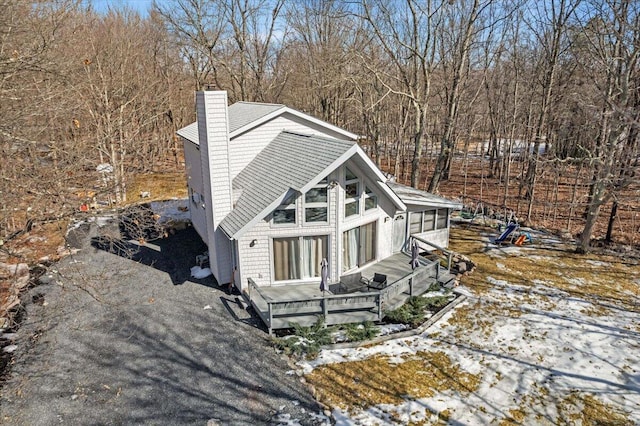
(521, 239)
(84, 207)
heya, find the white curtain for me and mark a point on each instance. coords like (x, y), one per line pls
(350, 244)
(314, 249)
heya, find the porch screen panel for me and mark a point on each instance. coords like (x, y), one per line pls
(442, 218)
(314, 249)
(367, 243)
(429, 220)
(415, 223)
(286, 258)
(350, 242)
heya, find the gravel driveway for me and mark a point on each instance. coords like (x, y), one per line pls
(110, 340)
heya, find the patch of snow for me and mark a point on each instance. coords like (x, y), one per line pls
(208, 307)
(9, 349)
(597, 263)
(172, 210)
(392, 328)
(501, 266)
(465, 291)
(104, 168)
(199, 273)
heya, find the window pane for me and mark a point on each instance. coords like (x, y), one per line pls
(367, 243)
(350, 242)
(315, 214)
(415, 223)
(442, 218)
(351, 190)
(349, 175)
(284, 216)
(429, 220)
(370, 203)
(316, 195)
(313, 251)
(351, 208)
(286, 258)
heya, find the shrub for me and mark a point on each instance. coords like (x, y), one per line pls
(359, 332)
(306, 341)
(411, 313)
(414, 310)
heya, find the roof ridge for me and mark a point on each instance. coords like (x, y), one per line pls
(259, 103)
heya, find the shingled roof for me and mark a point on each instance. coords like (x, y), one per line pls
(290, 162)
(410, 195)
(243, 113)
(240, 115)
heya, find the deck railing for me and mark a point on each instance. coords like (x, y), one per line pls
(447, 254)
(342, 308)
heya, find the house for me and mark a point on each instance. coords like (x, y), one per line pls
(275, 191)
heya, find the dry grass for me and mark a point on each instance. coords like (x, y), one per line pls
(585, 409)
(162, 186)
(363, 384)
(604, 280)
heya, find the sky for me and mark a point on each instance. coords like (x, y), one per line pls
(141, 6)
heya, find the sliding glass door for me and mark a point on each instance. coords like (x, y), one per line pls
(358, 246)
(298, 258)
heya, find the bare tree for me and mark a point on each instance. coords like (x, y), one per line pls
(613, 47)
(406, 32)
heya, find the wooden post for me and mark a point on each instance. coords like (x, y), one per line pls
(325, 309)
(413, 275)
(449, 261)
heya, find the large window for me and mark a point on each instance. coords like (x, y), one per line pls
(316, 203)
(351, 194)
(358, 246)
(370, 199)
(298, 257)
(285, 214)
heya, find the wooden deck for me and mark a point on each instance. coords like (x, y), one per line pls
(279, 306)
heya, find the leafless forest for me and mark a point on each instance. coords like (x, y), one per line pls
(528, 106)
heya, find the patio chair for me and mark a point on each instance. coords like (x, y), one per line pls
(378, 282)
(350, 284)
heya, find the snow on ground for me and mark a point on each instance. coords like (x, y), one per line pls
(200, 273)
(172, 210)
(542, 354)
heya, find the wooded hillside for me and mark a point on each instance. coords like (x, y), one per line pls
(530, 106)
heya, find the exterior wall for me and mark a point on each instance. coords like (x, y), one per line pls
(255, 247)
(211, 108)
(195, 186)
(245, 147)
(439, 237)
